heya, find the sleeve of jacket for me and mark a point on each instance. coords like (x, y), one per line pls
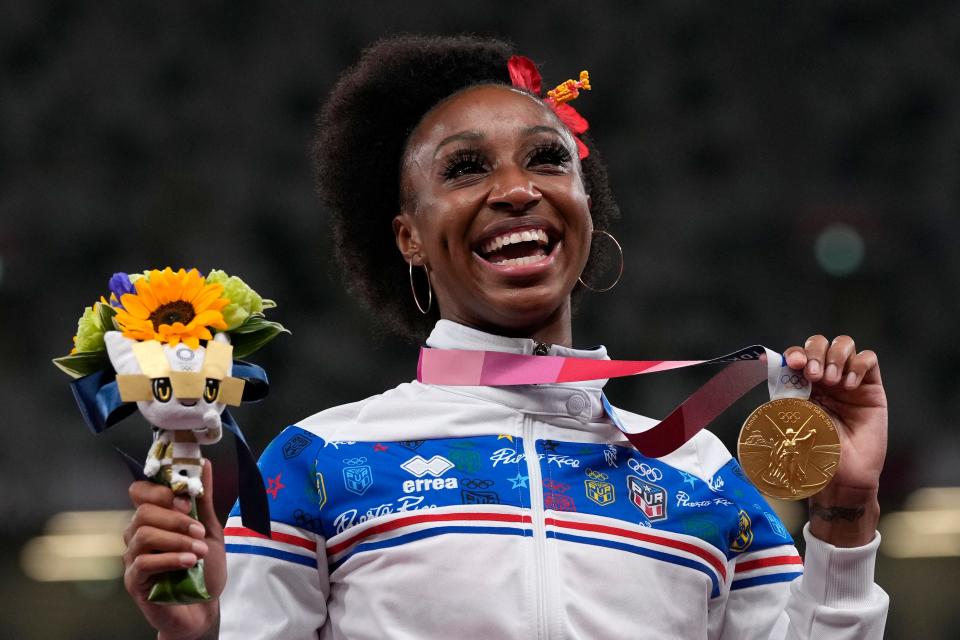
(278, 587)
(836, 598)
(828, 595)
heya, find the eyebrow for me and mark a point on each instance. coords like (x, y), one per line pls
(463, 135)
(474, 136)
(529, 131)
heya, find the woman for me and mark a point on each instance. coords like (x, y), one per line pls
(513, 512)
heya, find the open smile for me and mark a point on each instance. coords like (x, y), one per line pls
(525, 245)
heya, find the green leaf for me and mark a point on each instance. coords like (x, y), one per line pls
(253, 322)
(255, 335)
(83, 363)
(268, 304)
(256, 322)
(106, 317)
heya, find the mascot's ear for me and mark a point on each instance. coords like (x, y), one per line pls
(120, 350)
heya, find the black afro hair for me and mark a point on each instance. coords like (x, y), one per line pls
(361, 134)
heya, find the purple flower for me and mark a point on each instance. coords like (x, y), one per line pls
(119, 285)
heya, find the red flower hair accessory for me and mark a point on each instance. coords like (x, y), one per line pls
(524, 75)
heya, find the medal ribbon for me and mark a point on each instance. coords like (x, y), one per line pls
(745, 369)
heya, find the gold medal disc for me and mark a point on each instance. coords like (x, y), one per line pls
(789, 448)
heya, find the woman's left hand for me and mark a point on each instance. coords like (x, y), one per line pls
(848, 385)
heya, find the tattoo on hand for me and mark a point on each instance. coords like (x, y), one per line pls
(832, 514)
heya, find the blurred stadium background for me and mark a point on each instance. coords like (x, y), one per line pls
(783, 169)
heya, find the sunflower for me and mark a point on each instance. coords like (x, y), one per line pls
(172, 307)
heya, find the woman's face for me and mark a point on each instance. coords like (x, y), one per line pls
(495, 208)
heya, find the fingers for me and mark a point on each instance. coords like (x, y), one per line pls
(159, 539)
(838, 357)
(809, 357)
(834, 362)
(144, 492)
(150, 540)
(140, 572)
(157, 517)
(162, 536)
(864, 367)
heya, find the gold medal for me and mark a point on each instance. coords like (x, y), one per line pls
(789, 448)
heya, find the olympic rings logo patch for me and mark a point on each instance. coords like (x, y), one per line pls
(646, 471)
(596, 475)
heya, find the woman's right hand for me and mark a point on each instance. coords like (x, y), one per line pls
(163, 537)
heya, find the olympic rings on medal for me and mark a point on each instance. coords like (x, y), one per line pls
(789, 416)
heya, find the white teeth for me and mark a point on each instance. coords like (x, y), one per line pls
(515, 262)
(532, 235)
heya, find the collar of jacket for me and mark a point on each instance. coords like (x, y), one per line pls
(580, 401)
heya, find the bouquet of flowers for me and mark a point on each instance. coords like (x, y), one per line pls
(167, 341)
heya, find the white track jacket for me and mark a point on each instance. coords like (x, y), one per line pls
(478, 513)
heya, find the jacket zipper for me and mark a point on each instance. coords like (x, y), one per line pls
(539, 529)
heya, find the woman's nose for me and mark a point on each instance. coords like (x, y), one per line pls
(514, 193)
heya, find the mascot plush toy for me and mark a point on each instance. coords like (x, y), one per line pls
(165, 344)
(181, 392)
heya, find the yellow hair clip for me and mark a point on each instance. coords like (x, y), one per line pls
(570, 90)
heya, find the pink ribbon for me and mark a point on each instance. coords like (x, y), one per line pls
(746, 368)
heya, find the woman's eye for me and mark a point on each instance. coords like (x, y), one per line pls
(463, 164)
(161, 389)
(553, 155)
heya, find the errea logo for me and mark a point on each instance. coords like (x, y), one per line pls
(436, 467)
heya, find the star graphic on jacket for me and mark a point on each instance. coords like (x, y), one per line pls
(504, 436)
(550, 445)
(689, 479)
(519, 481)
(275, 486)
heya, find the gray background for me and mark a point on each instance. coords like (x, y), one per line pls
(141, 134)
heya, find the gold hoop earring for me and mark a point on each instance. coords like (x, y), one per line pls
(429, 290)
(619, 272)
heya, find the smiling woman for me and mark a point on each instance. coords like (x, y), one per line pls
(501, 219)
(480, 512)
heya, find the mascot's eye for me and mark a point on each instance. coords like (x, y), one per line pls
(212, 390)
(161, 389)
